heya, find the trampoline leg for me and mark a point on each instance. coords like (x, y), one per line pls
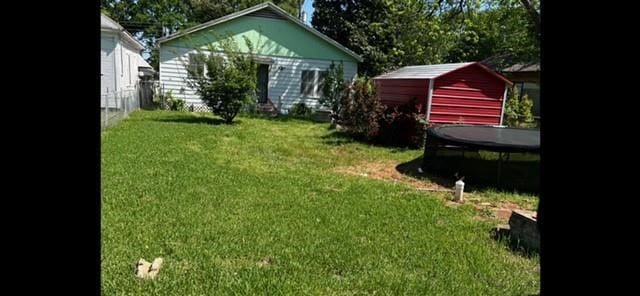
(424, 158)
(429, 155)
(499, 166)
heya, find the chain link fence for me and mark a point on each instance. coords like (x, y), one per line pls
(115, 106)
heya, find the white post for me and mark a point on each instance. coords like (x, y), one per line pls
(106, 109)
(458, 196)
(504, 102)
(429, 95)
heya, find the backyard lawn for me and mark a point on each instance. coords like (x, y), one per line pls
(270, 207)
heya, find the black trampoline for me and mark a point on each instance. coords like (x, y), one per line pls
(498, 139)
(503, 140)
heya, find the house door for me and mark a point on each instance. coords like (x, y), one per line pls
(263, 83)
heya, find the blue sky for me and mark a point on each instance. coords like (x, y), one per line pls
(308, 8)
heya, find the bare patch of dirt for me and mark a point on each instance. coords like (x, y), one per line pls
(386, 171)
(265, 262)
(500, 211)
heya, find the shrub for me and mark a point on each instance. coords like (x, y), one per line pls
(174, 104)
(518, 111)
(360, 109)
(300, 110)
(168, 102)
(402, 126)
(229, 83)
(333, 89)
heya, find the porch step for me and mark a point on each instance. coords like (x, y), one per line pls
(267, 108)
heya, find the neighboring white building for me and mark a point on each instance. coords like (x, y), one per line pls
(119, 55)
(146, 71)
(293, 57)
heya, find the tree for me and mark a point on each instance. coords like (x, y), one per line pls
(393, 33)
(533, 9)
(206, 10)
(518, 110)
(332, 89)
(229, 82)
(387, 33)
(499, 31)
(149, 20)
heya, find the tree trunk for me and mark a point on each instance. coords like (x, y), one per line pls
(533, 15)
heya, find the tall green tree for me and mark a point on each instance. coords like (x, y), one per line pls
(387, 33)
(393, 33)
(499, 30)
(149, 20)
(206, 10)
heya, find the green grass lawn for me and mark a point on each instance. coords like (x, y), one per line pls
(257, 207)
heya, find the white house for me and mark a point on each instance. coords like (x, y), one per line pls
(119, 55)
(292, 56)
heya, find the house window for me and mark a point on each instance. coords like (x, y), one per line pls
(196, 64)
(312, 82)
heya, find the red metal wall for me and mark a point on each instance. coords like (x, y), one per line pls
(468, 95)
(394, 92)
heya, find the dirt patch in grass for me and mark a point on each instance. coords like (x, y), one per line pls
(500, 211)
(239, 263)
(386, 171)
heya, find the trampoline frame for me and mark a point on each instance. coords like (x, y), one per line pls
(434, 142)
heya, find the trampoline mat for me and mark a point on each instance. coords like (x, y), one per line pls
(488, 137)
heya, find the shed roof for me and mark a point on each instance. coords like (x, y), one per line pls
(266, 5)
(531, 67)
(142, 63)
(433, 71)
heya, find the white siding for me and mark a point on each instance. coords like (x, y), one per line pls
(125, 75)
(284, 85)
(107, 63)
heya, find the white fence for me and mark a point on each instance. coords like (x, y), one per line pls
(115, 106)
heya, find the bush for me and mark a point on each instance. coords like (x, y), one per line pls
(364, 117)
(360, 109)
(518, 111)
(168, 102)
(333, 89)
(230, 81)
(300, 110)
(174, 104)
(402, 126)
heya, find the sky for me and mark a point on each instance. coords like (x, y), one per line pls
(308, 8)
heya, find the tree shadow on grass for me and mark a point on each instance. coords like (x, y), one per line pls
(340, 138)
(411, 169)
(194, 119)
(285, 117)
(479, 174)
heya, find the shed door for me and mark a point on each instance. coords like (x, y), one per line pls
(107, 77)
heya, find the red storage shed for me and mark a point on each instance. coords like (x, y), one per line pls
(448, 93)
